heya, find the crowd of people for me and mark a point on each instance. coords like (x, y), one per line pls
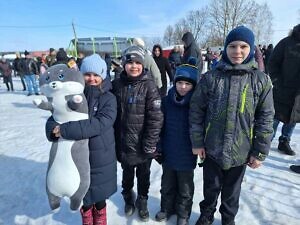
(227, 117)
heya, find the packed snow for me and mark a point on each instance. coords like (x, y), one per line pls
(270, 195)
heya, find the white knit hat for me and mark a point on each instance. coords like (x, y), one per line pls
(94, 64)
(139, 42)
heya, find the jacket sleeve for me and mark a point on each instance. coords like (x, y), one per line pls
(50, 124)
(197, 115)
(153, 118)
(169, 70)
(263, 125)
(97, 124)
(160, 142)
(155, 72)
(275, 62)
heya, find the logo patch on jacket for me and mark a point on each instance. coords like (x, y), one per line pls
(157, 103)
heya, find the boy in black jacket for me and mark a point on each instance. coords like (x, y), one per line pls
(137, 128)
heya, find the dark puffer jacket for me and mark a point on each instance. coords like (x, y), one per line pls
(139, 118)
(99, 130)
(175, 143)
(163, 66)
(191, 49)
(231, 114)
(284, 69)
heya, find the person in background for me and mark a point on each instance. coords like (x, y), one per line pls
(102, 108)
(258, 56)
(51, 58)
(7, 74)
(116, 68)
(107, 59)
(191, 49)
(137, 129)
(178, 161)
(163, 66)
(17, 69)
(231, 117)
(209, 58)
(215, 60)
(175, 58)
(79, 59)
(149, 62)
(284, 68)
(267, 56)
(29, 68)
(61, 57)
(42, 63)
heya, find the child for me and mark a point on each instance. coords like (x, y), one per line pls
(137, 128)
(178, 161)
(231, 119)
(99, 129)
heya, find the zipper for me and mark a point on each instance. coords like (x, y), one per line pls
(244, 96)
(206, 131)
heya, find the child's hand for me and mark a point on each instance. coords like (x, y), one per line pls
(200, 152)
(56, 131)
(254, 162)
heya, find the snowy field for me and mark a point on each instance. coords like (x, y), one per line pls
(270, 195)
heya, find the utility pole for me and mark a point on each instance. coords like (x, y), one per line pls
(75, 37)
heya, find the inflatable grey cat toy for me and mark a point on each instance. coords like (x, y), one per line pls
(68, 173)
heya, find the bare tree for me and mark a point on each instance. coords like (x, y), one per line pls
(168, 36)
(227, 14)
(262, 24)
(179, 29)
(196, 21)
(150, 41)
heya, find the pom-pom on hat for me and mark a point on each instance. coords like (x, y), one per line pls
(94, 64)
(187, 72)
(240, 33)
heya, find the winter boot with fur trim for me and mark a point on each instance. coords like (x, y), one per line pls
(87, 216)
(99, 216)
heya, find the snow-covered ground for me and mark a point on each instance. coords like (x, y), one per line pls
(270, 195)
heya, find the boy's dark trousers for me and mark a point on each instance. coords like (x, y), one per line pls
(177, 191)
(143, 178)
(228, 182)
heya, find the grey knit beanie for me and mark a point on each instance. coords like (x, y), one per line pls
(94, 64)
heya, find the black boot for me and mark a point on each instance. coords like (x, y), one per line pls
(129, 203)
(295, 168)
(284, 146)
(163, 215)
(205, 220)
(141, 205)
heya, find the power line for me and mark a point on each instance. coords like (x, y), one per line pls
(32, 26)
(110, 31)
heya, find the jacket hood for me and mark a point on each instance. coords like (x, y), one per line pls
(296, 32)
(188, 38)
(242, 68)
(160, 49)
(182, 101)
